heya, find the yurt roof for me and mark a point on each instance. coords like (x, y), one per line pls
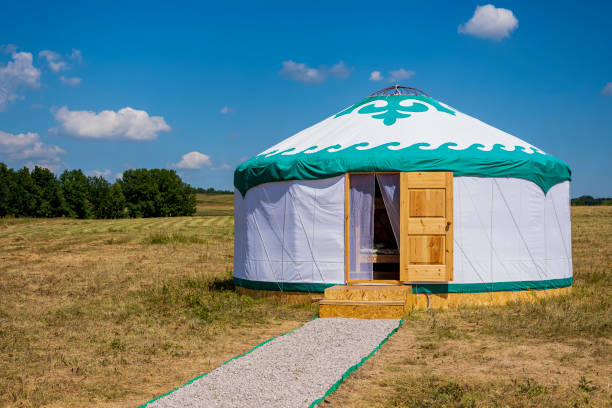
(401, 129)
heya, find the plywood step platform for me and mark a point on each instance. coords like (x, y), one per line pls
(365, 301)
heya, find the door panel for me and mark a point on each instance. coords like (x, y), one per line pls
(427, 202)
(426, 227)
(426, 249)
(426, 180)
(427, 273)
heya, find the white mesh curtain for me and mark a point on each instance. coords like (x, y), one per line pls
(389, 188)
(362, 189)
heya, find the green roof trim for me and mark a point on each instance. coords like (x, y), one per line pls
(540, 168)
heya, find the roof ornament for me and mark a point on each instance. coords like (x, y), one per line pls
(399, 90)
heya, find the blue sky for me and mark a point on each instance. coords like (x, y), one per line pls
(142, 84)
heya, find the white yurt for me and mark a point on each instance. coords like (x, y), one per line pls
(401, 189)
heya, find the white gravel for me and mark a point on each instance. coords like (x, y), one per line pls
(289, 371)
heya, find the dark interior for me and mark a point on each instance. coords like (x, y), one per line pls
(384, 241)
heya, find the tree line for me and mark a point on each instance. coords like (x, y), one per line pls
(140, 193)
(212, 191)
(588, 200)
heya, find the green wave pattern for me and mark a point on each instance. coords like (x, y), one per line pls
(542, 169)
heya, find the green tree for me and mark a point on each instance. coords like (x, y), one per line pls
(26, 195)
(117, 208)
(140, 192)
(157, 193)
(7, 186)
(75, 188)
(174, 198)
(51, 203)
(99, 197)
(106, 199)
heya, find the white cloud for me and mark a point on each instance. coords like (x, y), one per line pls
(224, 166)
(376, 76)
(125, 124)
(340, 70)
(76, 55)
(225, 110)
(53, 167)
(193, 161)
(119, 176)
(17, 74)
(55, 61)
(303, 73)
(490, 22)
(394, 76)
(72, 81)
(25, 146)
(607, 90)
(400, 74)
(97, 173)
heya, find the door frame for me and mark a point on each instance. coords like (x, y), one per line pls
(347, 220)
(347, 230)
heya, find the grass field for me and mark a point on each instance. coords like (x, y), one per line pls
(115, 312)
(556, 352)
(215, 204)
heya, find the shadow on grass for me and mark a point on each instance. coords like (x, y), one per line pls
(219, 285)
(210, 300)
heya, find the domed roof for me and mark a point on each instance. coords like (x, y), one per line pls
(402, 131)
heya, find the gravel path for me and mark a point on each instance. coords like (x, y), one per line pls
(289, 371)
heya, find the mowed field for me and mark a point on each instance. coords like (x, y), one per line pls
(116, 312)
(554, 352)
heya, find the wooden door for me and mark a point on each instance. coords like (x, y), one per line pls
(426, 227)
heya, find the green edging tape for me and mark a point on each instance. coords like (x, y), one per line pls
(425, 288)
(348, 372)
(434, 288)
(233, 358)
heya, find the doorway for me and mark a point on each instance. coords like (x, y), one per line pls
(374, 227)
(398, 227)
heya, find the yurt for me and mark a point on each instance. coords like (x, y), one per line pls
(401, 190)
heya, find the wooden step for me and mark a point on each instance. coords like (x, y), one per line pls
(362, 309)
(368, 292)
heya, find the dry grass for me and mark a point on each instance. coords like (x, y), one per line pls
(116, 312)
(215, 204)
(556, 352)
(113, 313)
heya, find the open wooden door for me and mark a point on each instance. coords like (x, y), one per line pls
(426, 227)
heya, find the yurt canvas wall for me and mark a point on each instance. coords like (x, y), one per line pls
(508, 235)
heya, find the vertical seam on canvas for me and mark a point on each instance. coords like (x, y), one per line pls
(519, 231)
(492, 246)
